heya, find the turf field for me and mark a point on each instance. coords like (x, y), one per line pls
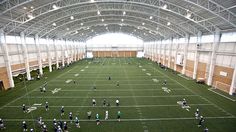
(146, 105)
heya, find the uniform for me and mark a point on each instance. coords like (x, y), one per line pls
(24, 126)
(24, 108)
(89, 114)
(65, 127)
(106, 115)
(197, 114)
(60, 123)
(31, 130)
(201, 120)
(1, 124)
(109, 78)
(97, 119)
(70, 117)
(44, 128)
(77, 122)
(118, 115)
(184, 102)
(40, 121)
(104, 102)
(46, 106)
(62, 111)
(117, 102)
(165, 82)
(206, 129)
(94, 102)
(117, 84)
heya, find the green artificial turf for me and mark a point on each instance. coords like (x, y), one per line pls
(144, 105)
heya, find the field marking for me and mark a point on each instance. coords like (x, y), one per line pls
(211, 89)
(68, 81)
(148, 74)
(76, 75)
(196, 94)
(181, 75)
(33, 90)
(165, 89)
(127, 106)
(56, 90)
(132, 119)
(113, 84)
(155, 80)
(69, 97)
(115, 90)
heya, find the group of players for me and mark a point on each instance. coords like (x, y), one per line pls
(197, 113)
(199, 117)
(60, 126)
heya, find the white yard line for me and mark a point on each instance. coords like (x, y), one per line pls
(133, 119)
(127, 106)
(211, 89)
(184, 77)
(77, 97)
(115, 90)
(134, 84)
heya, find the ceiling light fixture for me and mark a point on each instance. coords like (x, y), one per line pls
(72, 17)
(81, 24)
(67, 29)
(24, 8)
(188, 15)
(54, 24)
(122, 20)
(98, 12)
(30, 16)
(102, 20)
(124, 13)
(143, 23)
(151, 17)
(168, 23)
(54, 7)
(164, 6)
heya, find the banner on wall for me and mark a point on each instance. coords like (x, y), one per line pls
(89, 55)
(140, 54)
(180, 59)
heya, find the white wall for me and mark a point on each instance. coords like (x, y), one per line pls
(114, 41)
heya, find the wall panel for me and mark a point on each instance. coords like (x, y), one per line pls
(4, 77)
(221, 81)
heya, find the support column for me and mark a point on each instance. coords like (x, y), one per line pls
(6, 58)
(185, 53)
(233, 83)
(196, 58)
(56, 53)
(176, 53)
(159, 58)
(49, 55)
(25, 54)
(216, 42)
(63, 54)
(165, 47)
(152, 51)
(36, 41)
(170, 52)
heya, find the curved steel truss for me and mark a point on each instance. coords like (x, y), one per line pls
(158, 19)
